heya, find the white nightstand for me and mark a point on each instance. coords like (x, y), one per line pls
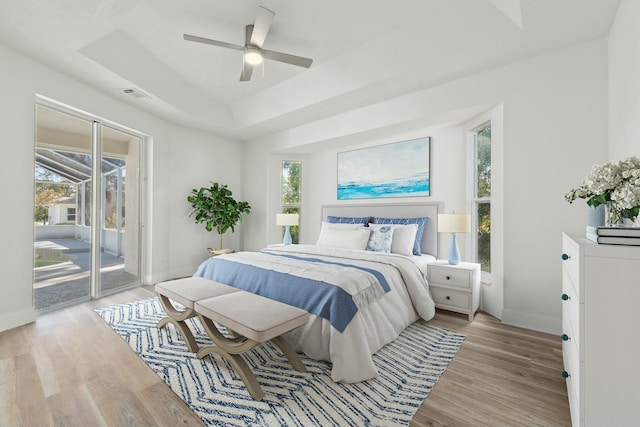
(455, 287)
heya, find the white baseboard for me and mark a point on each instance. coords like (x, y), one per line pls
(18, 318)
(532, 321)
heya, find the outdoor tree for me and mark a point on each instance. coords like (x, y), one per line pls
(291, 196)
(484, 190)
(49, 188)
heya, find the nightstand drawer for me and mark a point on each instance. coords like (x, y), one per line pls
(447, 298)
(450, 277)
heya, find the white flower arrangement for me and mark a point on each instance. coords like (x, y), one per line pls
(616, 185)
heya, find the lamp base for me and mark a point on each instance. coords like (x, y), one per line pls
(287, 235)
(454, 253)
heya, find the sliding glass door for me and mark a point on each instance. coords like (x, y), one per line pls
(87, 196)
(120, 211)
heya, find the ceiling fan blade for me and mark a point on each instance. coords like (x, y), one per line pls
(247, 70)
(287, 58)
(261, 26)
(191, 38)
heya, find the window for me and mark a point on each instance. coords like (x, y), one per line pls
(481, 197)
(290, 191)
(71, 215)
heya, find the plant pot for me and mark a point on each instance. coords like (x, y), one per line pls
(216, 252)
(596, 217)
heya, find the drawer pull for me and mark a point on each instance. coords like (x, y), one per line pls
(448, 277)
(565, 337)
(565, 257)
(565, 374)
(565, 297)
(447, 297)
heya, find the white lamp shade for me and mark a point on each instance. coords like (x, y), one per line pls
(454, 223)
(287, 219)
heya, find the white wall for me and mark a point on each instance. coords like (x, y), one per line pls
(446, 176)
(624, 82)
(200, 158)
(181, 160)
(555, 129)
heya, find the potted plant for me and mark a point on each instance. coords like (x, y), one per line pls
(217, 209)
(614, 185)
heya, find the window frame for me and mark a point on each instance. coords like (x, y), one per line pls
(289, 207)
(474, 199)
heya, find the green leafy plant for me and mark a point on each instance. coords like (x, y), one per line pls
(616, 185)
(216, 208)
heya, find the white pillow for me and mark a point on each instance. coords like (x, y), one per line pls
(345, 238)
(326, 225)
(403, 239)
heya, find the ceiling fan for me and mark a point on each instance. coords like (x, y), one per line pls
(253, 51)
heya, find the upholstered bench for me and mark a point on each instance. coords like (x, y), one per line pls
(186, 292)
(249, 319)
(253, 319)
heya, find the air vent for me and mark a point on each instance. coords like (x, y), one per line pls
(135, 93)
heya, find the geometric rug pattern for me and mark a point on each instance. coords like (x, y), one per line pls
(408, 370)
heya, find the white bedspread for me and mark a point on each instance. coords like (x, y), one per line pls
(375, 325)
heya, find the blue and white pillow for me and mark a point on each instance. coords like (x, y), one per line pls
(380, 239)
(420, 222)
(404, 237)
(349, 220)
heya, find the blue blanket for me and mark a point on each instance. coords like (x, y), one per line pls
(320, 298)
(381, 279)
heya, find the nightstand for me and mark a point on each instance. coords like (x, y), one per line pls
(455, 287)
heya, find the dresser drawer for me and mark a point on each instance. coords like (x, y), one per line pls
(571, 264)
(572, 367)
(450, 277)
(450, 299)
(571, 323)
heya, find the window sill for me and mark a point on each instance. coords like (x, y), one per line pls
(486, 279)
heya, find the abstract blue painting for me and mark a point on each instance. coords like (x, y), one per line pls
(400, 169)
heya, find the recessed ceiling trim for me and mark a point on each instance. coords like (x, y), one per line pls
(512, 9)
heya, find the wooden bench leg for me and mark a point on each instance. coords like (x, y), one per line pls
(231, 349)
(291, 354)
(176, 318)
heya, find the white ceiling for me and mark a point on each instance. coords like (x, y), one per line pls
(364, 51)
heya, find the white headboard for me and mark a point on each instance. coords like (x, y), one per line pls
(430, 238)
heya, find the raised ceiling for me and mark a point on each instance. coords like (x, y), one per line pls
(364, 51)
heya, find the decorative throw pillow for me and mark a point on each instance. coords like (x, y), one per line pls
(348, 220)
(345, 238)
(420, 222)
(403, 238)
(326, 225)
(380, 239)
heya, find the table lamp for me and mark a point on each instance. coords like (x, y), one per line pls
(287, 220)
(454, 223)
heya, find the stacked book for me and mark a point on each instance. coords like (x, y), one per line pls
(629, 236)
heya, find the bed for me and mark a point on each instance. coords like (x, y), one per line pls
(359, 300)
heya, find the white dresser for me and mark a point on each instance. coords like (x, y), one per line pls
(601, 332)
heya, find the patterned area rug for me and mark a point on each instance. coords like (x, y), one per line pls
(409, 369)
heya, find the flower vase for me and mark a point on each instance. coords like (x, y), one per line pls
(631, 222)
(595, 218)
(613, 218)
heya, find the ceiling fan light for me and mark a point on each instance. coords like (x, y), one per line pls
(252, 55)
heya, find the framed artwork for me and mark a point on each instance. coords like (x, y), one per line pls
(399, 169)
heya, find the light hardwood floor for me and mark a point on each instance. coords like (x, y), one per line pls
(70, 369)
